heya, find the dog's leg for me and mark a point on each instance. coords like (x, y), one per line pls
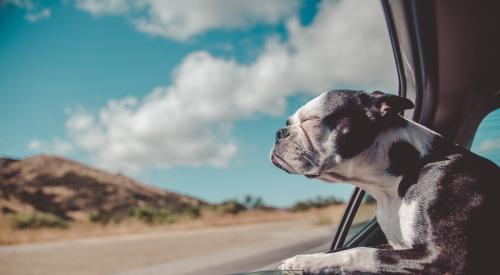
(362, 260)
(333, 263)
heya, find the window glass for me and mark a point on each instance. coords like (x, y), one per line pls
(366, 212)
(487, 139)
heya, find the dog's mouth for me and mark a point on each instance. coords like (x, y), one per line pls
(281, 163)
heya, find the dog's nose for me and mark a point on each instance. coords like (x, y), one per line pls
(282, 133)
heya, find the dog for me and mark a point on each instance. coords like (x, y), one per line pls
(436, 202)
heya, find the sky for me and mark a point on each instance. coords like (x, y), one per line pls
(185, 95)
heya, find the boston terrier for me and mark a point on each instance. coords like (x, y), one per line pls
(437, 203)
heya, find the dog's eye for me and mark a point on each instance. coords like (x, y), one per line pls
(288, 123)
(308, 118)
(333, 121)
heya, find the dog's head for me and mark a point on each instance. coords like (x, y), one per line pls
(333, 128)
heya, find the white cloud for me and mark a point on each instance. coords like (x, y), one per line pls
(39, 15)
(33, 12)
(104, 7)
(189, 122)
(58, 146)
(62, 147)
(181, 20)
(489, 145)
(36, 145)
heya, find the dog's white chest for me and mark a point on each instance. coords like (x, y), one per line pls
(397, 219)
(407, 218)
(388, 219)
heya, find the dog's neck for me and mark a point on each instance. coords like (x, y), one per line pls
(370, 171)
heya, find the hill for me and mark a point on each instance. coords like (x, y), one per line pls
(73, 191)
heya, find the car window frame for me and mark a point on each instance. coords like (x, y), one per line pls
(347, 218)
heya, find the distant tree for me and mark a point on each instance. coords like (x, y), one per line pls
(248, 201)
(318, 202)
(258, 203)
(231, 207)
(254, 203)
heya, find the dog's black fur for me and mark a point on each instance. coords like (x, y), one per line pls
(459, 203)
(458, 194)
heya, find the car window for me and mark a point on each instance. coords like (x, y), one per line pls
(486, 142)
(157, 120)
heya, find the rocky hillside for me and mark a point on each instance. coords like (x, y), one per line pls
(71, 190)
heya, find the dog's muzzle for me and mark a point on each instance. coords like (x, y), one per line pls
(281, 163)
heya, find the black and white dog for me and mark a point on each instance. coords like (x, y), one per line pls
(438, 204)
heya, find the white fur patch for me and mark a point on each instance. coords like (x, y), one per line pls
(388, 219)
(417, 135)
(407, 219)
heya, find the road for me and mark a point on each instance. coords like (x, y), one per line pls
(220, 250)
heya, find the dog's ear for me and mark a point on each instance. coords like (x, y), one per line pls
(382, 104)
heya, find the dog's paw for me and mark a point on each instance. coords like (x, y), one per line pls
(310, 264)
(287, 264)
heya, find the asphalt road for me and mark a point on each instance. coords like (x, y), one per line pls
(221, 250)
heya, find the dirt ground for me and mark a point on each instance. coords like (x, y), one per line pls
(233, 243)
(174, 252)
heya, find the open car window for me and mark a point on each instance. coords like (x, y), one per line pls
(166, 126)
(486, 142)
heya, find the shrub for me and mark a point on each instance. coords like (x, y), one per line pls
(153, 216)
(256, 203)
(193, 212)
(145, 214)
(231, 207)
(100, 217)
(300, 206)
(318, 202)
(38, 220)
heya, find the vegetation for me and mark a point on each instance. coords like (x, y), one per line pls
(256, 203)
(148, 215)
(37, 220)
(193, 212)
(101, 217)
(318, 202)
(153, 216)
(232, 207)
(235, 207)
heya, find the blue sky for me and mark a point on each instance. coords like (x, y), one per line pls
(185, 98)
(487, 140)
